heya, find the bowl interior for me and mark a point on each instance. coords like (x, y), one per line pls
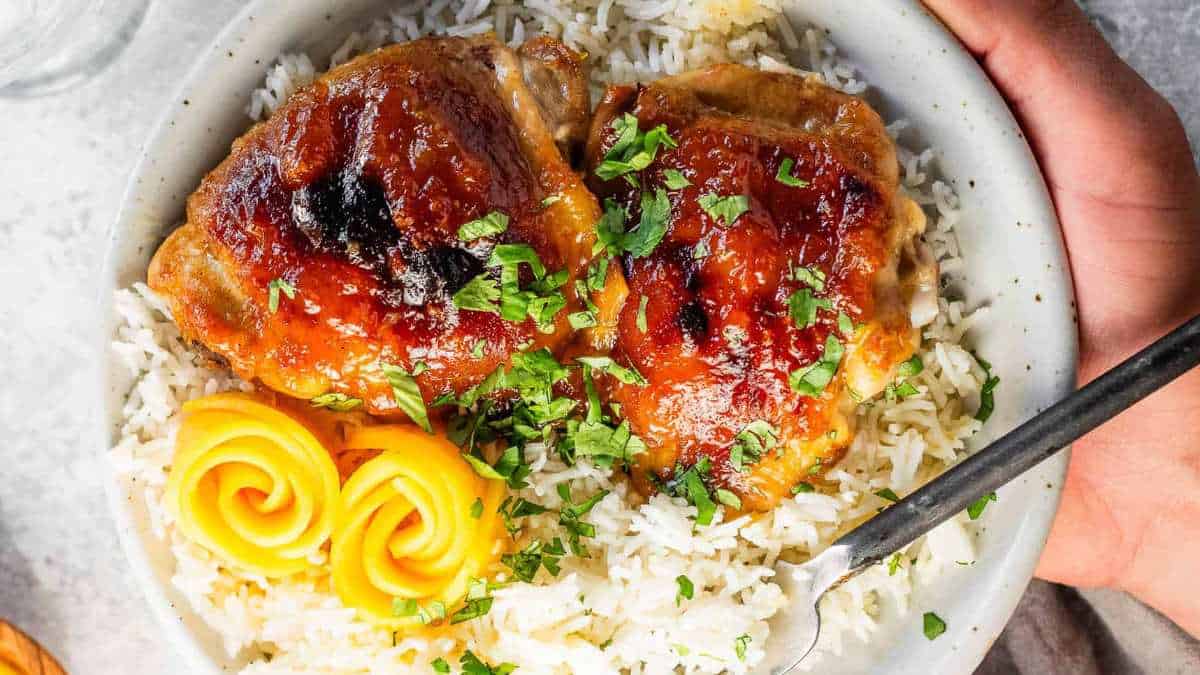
(1010, 240)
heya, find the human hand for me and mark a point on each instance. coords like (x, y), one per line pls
(1122, 177)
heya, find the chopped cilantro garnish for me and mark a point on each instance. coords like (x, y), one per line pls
(402, 607)
(675, 180)
(812, 277)
(728, 498)
(784, 175)
(473, 609)
(911, 367)
(273, 290)
(488, 226)
(987, 399)
(934, 625)
(800, 488)
(752, 443)
(845, 324)
(641, 314)
(656, 211)
(471, 665)
(477, 508)
(512, 255)
(597, 274)
(700, 250)
(570, 515)
(482, 468)
(740, 643)
(689, 484)
(478, 295)
(725, 209)
(436, 611)
(552, 199)
(803, 306)
(406, 392)
(888, 494)
(812, 380)
(440, 666)
(537, 555)
(335, 401)
(633, 149)
(621, 373)
(686, 589)
(975, 510)
(894, 564)
(581, 320)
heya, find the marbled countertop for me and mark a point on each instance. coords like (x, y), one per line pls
(63, 168)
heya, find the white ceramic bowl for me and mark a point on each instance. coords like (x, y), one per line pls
(1010, 241)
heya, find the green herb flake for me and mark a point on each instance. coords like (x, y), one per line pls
(934, 625)
(478, 348)
(274, 289)
(686, 589)
(751, 443)
(621, 373)
(436, 611)
(700, 251)
(641, 314)
(440, 666)
(802, 488)
(656, 211)
(812, 277)
(473, 609)
(728, 498)
(403, 607)
(335, 401)
(675, 180)
(975, 510)
(477, 508)
(581, 320)
(811, 380)
(845, 324)
(893, 564)
(911, 367)
(725, 209)
(471, 665)
(740, 644)
(888, 494)
(784, 175)
(406, 392)
(488, 226)
(551, 200)
(987, 399)
(633, 150)
(904, 390)
(478, 295)
(482, 468)
(803, 306)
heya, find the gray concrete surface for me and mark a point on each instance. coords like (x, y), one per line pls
(63, 167)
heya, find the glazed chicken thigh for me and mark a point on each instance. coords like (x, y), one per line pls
(780, 291)
(410, 208)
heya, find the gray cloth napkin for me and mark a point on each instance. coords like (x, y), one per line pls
(1061, 630)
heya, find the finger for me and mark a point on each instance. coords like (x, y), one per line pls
(1075, 97)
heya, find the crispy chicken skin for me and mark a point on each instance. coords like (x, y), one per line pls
(353, 193)
(720, 344)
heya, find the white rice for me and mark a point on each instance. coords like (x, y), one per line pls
(616, 611)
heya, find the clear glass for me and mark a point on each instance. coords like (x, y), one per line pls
(51, 45)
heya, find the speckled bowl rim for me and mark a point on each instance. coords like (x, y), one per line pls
(1019, 270)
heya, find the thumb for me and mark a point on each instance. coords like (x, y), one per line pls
(1076, 99)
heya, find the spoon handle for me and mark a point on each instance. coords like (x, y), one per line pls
(1024, 447)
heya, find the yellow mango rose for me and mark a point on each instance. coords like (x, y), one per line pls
(252, 484)
(415, 525)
